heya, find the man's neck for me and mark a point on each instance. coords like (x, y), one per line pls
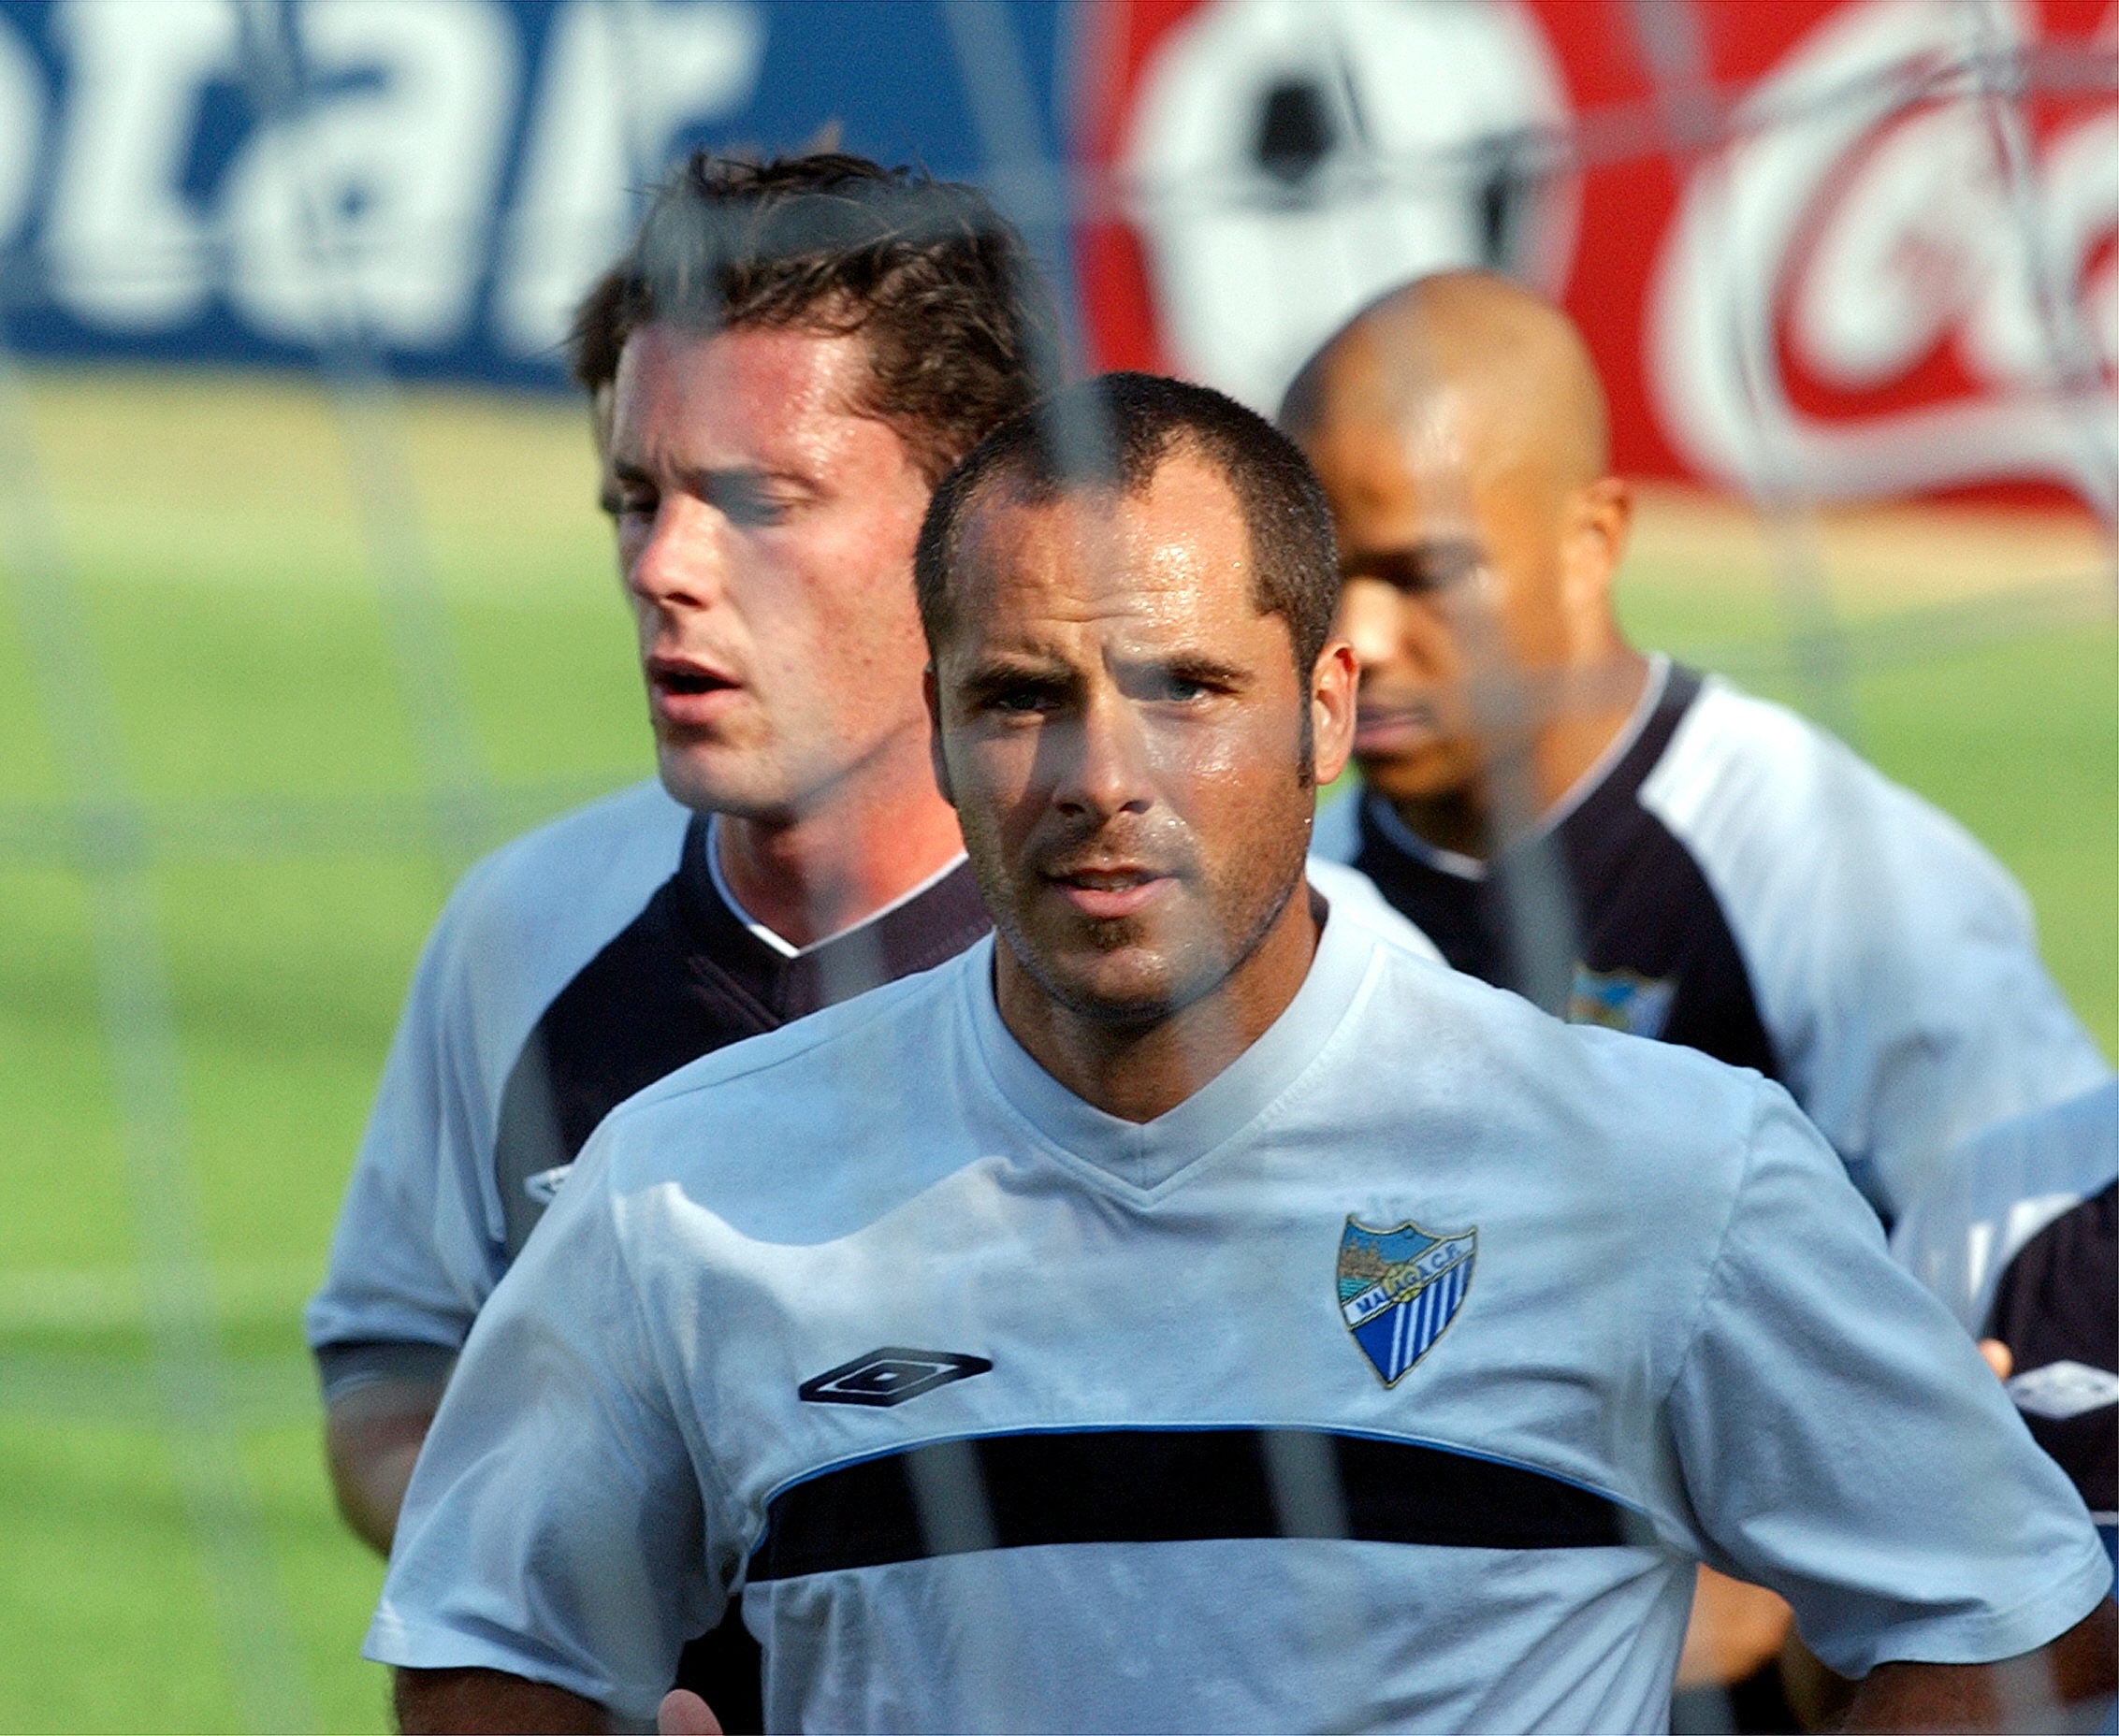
(817, 875)
(1137, 1072)
(1515, 796)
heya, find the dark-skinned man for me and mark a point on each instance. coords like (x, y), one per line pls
(1184, 1311)
(1625, 841)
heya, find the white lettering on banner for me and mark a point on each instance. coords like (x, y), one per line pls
(1866, 196)
(124, 247)
(1289, 160)
(370, 205)
(620, 80)
(22, 107)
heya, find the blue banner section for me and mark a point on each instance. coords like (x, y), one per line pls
(433, 182)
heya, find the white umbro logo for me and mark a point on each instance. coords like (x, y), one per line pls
(2064, 1389)
(890, 1375)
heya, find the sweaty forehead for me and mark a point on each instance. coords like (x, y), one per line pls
(1392, 485)
(736, 393)
(1174, 554)
(1468, 376)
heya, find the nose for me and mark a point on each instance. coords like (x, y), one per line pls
(1106, 771)
(1414, 635)
(1370, 618)
(679, 560)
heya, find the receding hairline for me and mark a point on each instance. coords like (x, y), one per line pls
(1016, 484)
(1506, 364)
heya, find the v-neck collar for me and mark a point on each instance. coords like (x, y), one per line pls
(1579, 794)
(1144, 1158)
(773, 942)
(927, 928)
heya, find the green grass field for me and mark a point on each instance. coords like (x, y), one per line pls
(216, 545)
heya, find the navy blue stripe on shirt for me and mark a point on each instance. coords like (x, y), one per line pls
(1151, 1485)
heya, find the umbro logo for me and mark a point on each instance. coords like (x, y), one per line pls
(890, 1375)
(2062, 1390)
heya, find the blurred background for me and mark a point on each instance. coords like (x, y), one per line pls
(304, 602)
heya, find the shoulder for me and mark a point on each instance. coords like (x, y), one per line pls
(577, 880)
(1649, 1106)
(1737, 761)
(1744, 777)
(632, 837)
(803, 1133)
(2073, 1144)
(1996, 1190)
(1350, 891)
(820, 1061)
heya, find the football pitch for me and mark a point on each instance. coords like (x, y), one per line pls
(297, 733)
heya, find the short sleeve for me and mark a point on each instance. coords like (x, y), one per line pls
(410, 1259)
(421, 1239)
(1996, 1192)
(1841, 1440)
(1936, 1019)
(555, 1529)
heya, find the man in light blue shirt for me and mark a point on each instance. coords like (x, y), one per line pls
(1182, 1310)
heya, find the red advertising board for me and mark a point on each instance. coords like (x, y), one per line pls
(1830, 249)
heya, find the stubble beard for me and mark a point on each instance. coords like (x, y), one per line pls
(1181, 988)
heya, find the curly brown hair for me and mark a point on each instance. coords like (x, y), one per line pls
(956, 316)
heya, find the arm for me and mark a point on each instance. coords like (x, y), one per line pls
(442, 1702)
(1895, 961)
(1841, 1440)
(412, 1259)
(1934, 1016)
(1736, 1630)
(2019, 1693)
(371, 1438)
(588, 1581)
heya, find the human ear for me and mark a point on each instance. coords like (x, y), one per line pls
(1333, 680)
(1600, 519)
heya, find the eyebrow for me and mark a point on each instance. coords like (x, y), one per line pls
(1432, 564)
(706, 480)
(1002, 670)
(1005, 670)
(1197, 665)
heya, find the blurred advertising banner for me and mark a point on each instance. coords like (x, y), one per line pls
(435, 180)
(1822, 249)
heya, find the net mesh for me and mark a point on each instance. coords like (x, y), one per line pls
(108, 859)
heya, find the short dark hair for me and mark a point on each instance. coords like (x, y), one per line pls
(1114, 432)
(940, 285)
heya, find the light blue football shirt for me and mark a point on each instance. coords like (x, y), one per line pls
(424, 1234)
(1394, 1380)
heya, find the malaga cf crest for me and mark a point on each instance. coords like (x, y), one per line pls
(1621, 1000)
(1398, 1288)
